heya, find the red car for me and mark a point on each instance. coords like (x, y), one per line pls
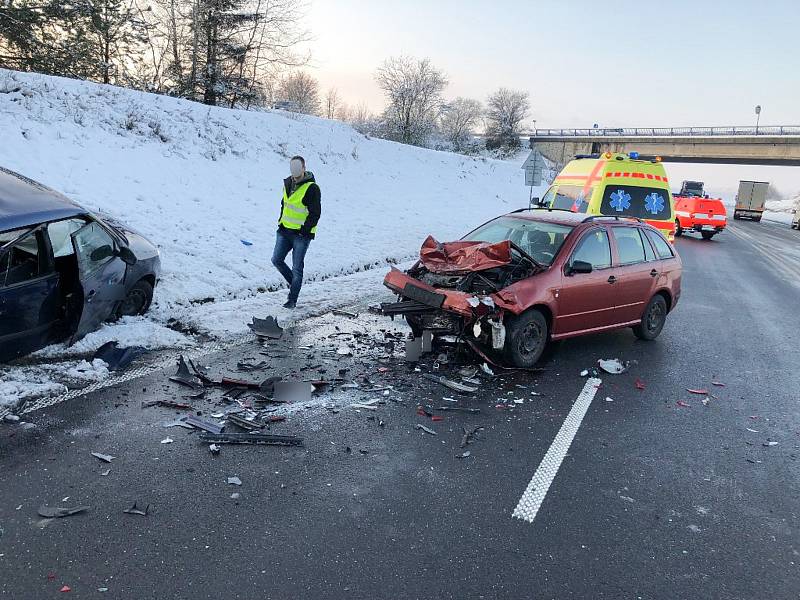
(531, 276)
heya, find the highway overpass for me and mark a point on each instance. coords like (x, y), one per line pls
(773, 145)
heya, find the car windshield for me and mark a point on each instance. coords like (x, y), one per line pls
(541, 240)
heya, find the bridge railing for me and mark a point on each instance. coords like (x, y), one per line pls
(771, 130)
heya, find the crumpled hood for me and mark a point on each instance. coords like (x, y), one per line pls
(463, 256)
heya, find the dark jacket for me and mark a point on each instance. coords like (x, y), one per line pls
(312, 201)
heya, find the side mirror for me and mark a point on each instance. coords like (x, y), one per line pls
(534, 202)
(101, 253)
(126, 256)
(579, 266)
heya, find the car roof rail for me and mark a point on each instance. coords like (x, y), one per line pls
(615, 217)
(547, 208)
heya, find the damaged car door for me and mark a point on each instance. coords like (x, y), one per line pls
(28, 293)
(101, 273)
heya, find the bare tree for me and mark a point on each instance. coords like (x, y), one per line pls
(506, 109)
(413, 89)
(459, 119)
(332, 103)
(301, 91)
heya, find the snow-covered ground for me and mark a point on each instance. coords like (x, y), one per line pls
(204, 182)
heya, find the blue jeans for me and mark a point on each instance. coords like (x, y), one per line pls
(285, 242)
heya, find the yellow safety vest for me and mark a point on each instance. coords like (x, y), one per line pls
(295, 212)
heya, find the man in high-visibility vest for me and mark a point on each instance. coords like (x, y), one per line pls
(300, 211)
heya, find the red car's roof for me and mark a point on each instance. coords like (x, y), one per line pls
(562, 217)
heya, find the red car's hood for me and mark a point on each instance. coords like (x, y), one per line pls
(463, 257)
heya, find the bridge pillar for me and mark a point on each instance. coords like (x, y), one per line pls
(561, 152)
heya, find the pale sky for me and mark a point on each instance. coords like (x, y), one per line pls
(617, 63)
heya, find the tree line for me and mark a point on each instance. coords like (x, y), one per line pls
(242, 54)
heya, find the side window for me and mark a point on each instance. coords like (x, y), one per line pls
(648, 249)
(594, 249)
(662, 247)
(94, 247)
(629, 245)
(548, 197)
(23, 261)
(60, 232)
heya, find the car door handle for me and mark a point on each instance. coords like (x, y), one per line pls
(612, 279)
(653, 273)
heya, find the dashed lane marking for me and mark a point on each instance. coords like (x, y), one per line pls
(531, 500)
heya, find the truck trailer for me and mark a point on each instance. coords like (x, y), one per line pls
(750, 200)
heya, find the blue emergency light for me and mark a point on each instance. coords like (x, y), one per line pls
(633, 155)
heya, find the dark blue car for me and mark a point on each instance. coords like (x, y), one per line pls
(64, 270)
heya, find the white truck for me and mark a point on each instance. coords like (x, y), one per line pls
(750, 200)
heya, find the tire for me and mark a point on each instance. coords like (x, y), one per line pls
(678, 228)
(707, 235)
(137, 300)
(735, 216)
(653, 319)
(526, 338)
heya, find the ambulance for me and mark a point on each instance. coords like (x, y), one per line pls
(615, 184)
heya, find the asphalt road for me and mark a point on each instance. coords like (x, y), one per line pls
(659, 496)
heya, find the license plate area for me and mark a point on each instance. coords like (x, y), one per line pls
(424, 296)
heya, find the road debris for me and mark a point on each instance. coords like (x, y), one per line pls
(769, 443)
(464, 454)
(609, 399)
(167, 404)
(65, 589)
(639, 384)
(56, 512)
(213, 448)
(104, 457)
(118, 358)
(184, 376)
(612, 365)
(244, 423)
(11, 419)
(463, 409)
(247, 367)
(455, 386)
(234, 481)
(469, 434)
(344, 313)
(178, 423)
(718, 383)
(135, 510)
(683, 404)
(167, 440)
(425, 429)
(105, 473)
(260, 439)
(699, 392)
(266, 328)
(488, 371)
(203, 424)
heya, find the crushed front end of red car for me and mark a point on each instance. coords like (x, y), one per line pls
(458, 287)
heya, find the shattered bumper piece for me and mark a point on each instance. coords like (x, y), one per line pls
(204, 425)
(118, 358)
(258, 439)
(184, 376)
(453, 385)
(55, 512)
(266, 328)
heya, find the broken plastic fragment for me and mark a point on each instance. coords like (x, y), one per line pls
(425, 429)
(699, 391)
(184, 376)
(55, 512)
(463, 454)
(609, 399)
(266, 328)
(639, 384)
(105, 473)
(65, 589)
(486, 369)
(612, 366)
(585, 373)
(104, 457)
(234, 481)
(683, 404)
(213, 448)
(135, 510)
(458, 387)
(167, 440)
(718, 383)
(473, 301)
(769, 443)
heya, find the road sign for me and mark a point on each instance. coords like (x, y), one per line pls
(533, 166)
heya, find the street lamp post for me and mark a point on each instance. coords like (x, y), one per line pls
(758, 116)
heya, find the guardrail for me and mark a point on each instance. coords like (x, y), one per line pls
(771, 130)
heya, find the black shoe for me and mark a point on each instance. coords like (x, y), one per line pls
(290, 304)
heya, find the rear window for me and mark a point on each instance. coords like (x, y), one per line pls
(635, 201)
(663, 249)
(572, 197)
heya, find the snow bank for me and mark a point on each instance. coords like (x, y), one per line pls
(199, 181)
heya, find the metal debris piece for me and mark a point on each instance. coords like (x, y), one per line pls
(135, 510)
(612, 366)
(200, 371)
(247, 367)
(167, 440)
(118, 358)
(252, 438)
(234, 481)
(464, 409)
(266, 328)
(344, 313)
(105, 473)
(458, 387)
(238, 383)
(213, 448)
(167, 403)
(56, 512)
(463, 454)
(203, 424)
(178, 423)
(183, 376)
(104, 457)
(425, 429)
(244, 423)
(363, 406)
(485, 368)
(770, 443)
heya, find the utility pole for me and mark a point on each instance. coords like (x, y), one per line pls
(758, 116)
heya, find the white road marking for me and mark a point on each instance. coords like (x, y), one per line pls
(534, 494)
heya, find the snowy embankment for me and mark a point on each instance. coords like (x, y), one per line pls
(203, 183)
(780, 211)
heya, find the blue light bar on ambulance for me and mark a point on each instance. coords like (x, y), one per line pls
(633, 155)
